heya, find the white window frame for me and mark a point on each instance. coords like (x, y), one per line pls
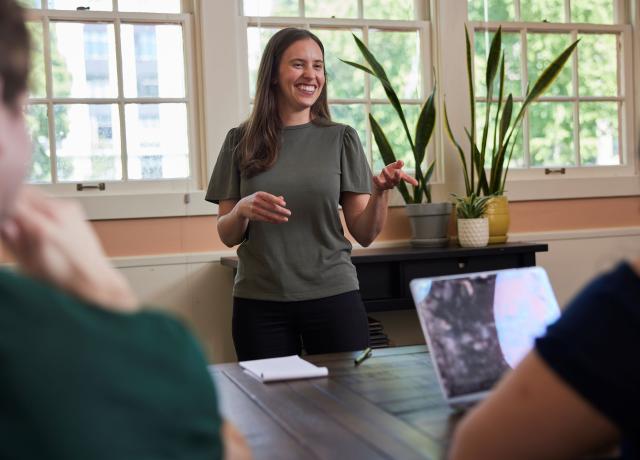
(419, 26)
(216, 63)
(134, 198)
(533, 183)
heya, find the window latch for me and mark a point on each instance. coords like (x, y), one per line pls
(83, 8)
(101, 186)
(548, 171)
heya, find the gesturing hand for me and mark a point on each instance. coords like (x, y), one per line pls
(391, 176)
(51, 240)
(264, 207)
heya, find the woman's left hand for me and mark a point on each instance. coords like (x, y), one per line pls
(391, 176)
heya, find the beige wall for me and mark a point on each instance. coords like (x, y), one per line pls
(135, 237)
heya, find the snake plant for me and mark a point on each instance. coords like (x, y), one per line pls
(505, 128)
(423, 129)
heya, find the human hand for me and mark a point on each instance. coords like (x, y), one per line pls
(391, 175)
(52, 241)
(264, 207)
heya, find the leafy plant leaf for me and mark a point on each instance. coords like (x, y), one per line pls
(465, 170)
(387, 154)
(358, 66)
(424, 127)
(380, 74)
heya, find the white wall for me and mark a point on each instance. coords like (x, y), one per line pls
(198, 288)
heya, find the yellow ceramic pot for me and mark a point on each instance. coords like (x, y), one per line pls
(498, 215)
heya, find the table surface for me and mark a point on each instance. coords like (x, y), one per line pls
(389, 407)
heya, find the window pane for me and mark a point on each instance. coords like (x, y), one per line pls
(94, 5)
(271, 8)
(399, 54)
(30, 3)
(388, 9)
(551, 134)
(592, 11)
(542, 49)
(388, 119)
(157, 141)
(517, 158)
(257, 38)
(38, 126)
(85, 57)
(37, 81)
(491, 10)
(343, 81)
(598, 65)
(87, 142)
(150, 6)
(512, 74)
(152, 60)
(542, 10)
(331, 8)
(353, 115)
(599, 144)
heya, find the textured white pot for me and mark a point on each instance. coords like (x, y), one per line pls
(473, 233)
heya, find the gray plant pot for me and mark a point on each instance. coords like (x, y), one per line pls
(429, 224)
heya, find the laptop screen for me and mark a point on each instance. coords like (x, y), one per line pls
(480, 325)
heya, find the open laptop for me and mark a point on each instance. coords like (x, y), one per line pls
(479, 325)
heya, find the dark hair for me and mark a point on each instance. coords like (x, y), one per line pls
(260, 133)
(14, 52)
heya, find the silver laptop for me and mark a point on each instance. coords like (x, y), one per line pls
(479, 325)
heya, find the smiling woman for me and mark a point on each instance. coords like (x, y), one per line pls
(279, 180)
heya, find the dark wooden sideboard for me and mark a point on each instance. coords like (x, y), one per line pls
(385, 273)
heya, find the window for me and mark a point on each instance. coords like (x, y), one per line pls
(394, 30)
(581, 121)
(110, 99)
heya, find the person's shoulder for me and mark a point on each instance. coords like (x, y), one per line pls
(622, 278)
(345, 132)
(235, 133)
(323, 123)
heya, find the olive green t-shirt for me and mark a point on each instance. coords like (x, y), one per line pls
(307, 257)
(78, 382)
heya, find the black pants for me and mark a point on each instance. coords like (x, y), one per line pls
(266, 329)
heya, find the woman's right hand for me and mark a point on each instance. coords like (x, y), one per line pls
(264, 207)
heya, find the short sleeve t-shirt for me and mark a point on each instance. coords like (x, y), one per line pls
(307, 257)
(594, 348)
(78, 382)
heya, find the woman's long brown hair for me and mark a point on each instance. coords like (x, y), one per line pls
(260, 136)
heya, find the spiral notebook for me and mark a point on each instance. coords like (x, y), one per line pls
(285, 368)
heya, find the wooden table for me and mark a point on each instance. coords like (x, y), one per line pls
(384, 273)
(389, 407)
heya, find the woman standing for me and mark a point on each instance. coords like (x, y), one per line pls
(278, 180)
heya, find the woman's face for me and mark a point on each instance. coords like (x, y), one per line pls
(300, 76)
(15, 153)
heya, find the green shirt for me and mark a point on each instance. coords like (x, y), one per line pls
(307, 257)
(80, 382)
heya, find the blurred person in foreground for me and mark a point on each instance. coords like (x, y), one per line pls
(84, 374)
(578, 392)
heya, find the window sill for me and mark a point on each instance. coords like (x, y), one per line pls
(144, 205)
(100, 206)
(547, 188)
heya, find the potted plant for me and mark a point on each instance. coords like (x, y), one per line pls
(503, 128)
(473, 226)
(429, 221)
